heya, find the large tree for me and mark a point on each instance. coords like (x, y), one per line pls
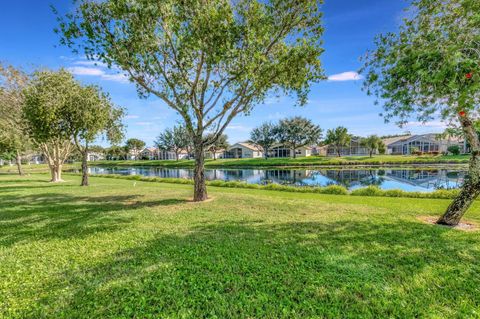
(134, 146)
(209, 60)
(374, 144)
(430, 68)
(91, 115)
(264, 137)
(221, 143)
(296, 132)
(175, 140)
(48, 102)
(14, 139)
(338, 138)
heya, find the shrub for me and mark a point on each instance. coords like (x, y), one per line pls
(367, 191)
(454, 149)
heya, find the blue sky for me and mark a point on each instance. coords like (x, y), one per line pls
(27, 40)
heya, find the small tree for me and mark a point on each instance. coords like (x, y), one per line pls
(48, 102)
(221, 143)
(374, 144)
(264, 137)
(338, 138)
(454, 149)
(430, 68)
(14, 138)
(92, 114)
(116, 152)
(134, 146)
(175, 140)
(210, 61)
(296, 132)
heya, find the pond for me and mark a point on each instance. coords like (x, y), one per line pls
(412, 179)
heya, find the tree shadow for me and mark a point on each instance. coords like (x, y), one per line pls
(248, 269)
(60, 215)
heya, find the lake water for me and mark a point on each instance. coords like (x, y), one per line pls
(414, 179)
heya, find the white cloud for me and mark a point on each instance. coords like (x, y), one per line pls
(132, 117)
(345, 76)
(97, 71)
(90, 63)
(239, 128)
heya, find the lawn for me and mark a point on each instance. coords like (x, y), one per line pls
(132, 249)
(301, 161)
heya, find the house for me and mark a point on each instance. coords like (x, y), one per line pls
(426, 143)
(280, 150)
(149, 153)
(170, 155)
(243, 150)
(94, 156)
(353, 149)
(217, 154)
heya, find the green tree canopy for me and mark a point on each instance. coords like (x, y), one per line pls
(221, 143)
(264, 137)
(296, 132)
(175, 140)
(208, 60)
(374, 144)
(431, 68)
(14, 139)
(338, 138)
(134, 146)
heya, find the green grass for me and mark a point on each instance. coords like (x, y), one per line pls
(133, 249)
(300, 162)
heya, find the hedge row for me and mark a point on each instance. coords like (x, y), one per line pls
(332, 189)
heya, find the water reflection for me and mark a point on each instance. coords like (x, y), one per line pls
(405, 179)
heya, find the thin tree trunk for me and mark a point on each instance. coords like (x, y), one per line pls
(19, 164)
(84, 168)
(176, 156)
(200, 188)
(471, 187)
(214, 155)
(294, 153)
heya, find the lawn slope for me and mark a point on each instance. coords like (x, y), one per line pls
(124, 249)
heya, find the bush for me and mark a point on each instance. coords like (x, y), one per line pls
(367, 191)
(454, 149)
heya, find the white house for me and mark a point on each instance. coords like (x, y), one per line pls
(283, 151)
(170, 155)
(426, 143)
(149, 153)
(218, 154)
(94, 156)
(243, 150)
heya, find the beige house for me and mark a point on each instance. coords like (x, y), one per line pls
(426, 143)
(243, 150)
(149, 153)
(218, 154)
(283, 151)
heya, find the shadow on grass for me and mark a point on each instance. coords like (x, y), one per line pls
(60, 215)
(250, 270)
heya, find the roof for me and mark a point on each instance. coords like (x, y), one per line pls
(432, 137)
(390, 140)
(150, 149)
(250, 146)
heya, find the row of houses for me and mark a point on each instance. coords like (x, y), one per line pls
(400, 145)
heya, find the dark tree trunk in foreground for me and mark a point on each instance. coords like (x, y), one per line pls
(84, 168)
(200, 188)
(471, 186)
(19, 164)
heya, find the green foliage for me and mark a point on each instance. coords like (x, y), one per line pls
(296, 132)
(216, 143)
(175, 140)
(338, 138)
(422, 70)
(454, 149)
(264, 137)
(135, 146)
(374, 144)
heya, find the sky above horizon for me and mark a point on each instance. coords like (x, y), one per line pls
(28, 41)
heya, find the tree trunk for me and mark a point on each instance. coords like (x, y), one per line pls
(56, 171)
(294, 153)
(176, 156)
(265, 154)
(214, 155)
(84, 168)
(200, 188)
(471, 186)
(371, 153)
(19, 164)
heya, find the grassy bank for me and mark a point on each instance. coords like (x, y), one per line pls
(300, 162)
(123, 249)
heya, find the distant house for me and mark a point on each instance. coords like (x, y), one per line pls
(426, 143)
(170, 155)
(149, 153)
(283, 151)
(218, 154)
(94, 156)
(353, 149)
(243, 150)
